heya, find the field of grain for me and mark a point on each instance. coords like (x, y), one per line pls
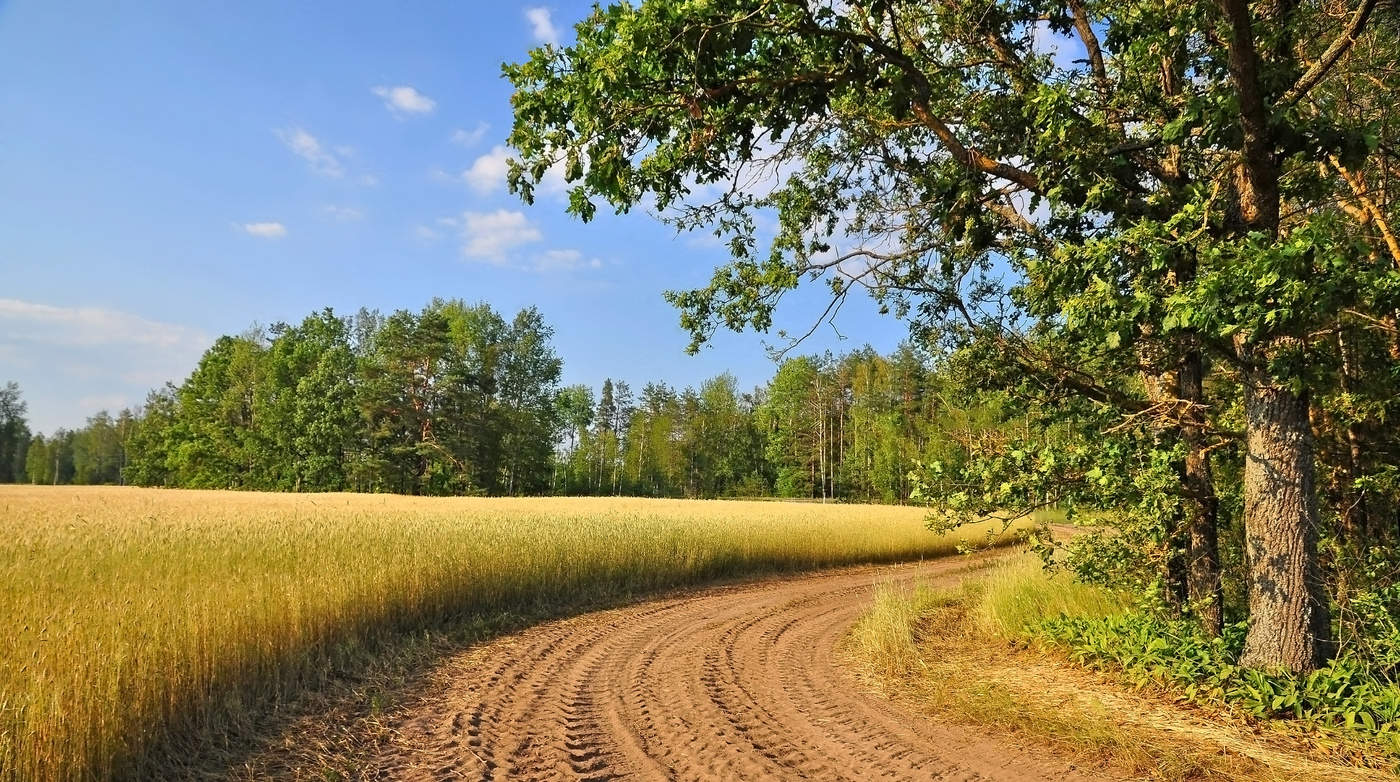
(140, 620)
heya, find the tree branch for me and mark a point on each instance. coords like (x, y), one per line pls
(1096, 63)
(1333, 53)
(1260, 204)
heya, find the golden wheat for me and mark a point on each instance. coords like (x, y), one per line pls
(138, 618)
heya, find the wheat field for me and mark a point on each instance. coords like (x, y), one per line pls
(139, 618)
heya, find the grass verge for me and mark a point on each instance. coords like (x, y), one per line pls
(964, 654)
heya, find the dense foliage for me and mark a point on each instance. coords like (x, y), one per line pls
(14, 434)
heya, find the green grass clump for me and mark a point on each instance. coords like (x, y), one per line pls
(885, 636)
(1019, 595)
(145, 626)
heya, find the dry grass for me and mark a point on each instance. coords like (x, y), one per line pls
(957, 653)
(146, 624)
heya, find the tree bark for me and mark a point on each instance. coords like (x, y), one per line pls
(1289, 622)
(1203, 584)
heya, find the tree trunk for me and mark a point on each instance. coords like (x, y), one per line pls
(1354, 513)
(1289, 625)
(1203, 557)
(1161, 383)
(1176, 588)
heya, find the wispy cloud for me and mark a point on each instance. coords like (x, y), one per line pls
(470, 138)
(109, 402)
(89, 326)
(307, 147)
(342, 214)
(267, 230)
(73, 361)
(542, 25)
(564, 260)
(404, 99)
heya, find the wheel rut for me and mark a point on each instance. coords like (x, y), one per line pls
(730, 683)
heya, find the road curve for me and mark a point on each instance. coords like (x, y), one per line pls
(730, 683)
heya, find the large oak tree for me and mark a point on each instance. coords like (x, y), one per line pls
(1162, 189)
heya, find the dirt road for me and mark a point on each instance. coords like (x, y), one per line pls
(733, 683)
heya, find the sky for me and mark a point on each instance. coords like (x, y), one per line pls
(173, 171)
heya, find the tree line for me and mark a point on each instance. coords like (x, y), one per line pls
(852, 427)
(455, 399)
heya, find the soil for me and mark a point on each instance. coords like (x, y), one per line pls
(730, 683)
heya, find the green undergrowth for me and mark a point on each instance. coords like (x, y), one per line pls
(1345, 695)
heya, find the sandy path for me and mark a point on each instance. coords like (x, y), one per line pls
(733, 683)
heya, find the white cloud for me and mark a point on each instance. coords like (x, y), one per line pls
(268, 230)
(488, 236)
(405, 100)
(565, 259)
(488, 173)
(425, 234)
(343, 214)
(470, 138)
(541, 25)
(309, 148)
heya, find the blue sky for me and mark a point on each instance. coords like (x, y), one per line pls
(185, 170)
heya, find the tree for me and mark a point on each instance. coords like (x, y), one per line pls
(574, 410)
(98, 451)
(1135, 191)
(528, 381)
(310, 423)
(792, 418)
(154, 440)
(38, 465)
(14, 434)
(401, 403)
(217, 442)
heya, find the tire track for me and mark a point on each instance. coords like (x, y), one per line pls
(738, 682)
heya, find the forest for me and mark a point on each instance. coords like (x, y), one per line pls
(456, 400)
